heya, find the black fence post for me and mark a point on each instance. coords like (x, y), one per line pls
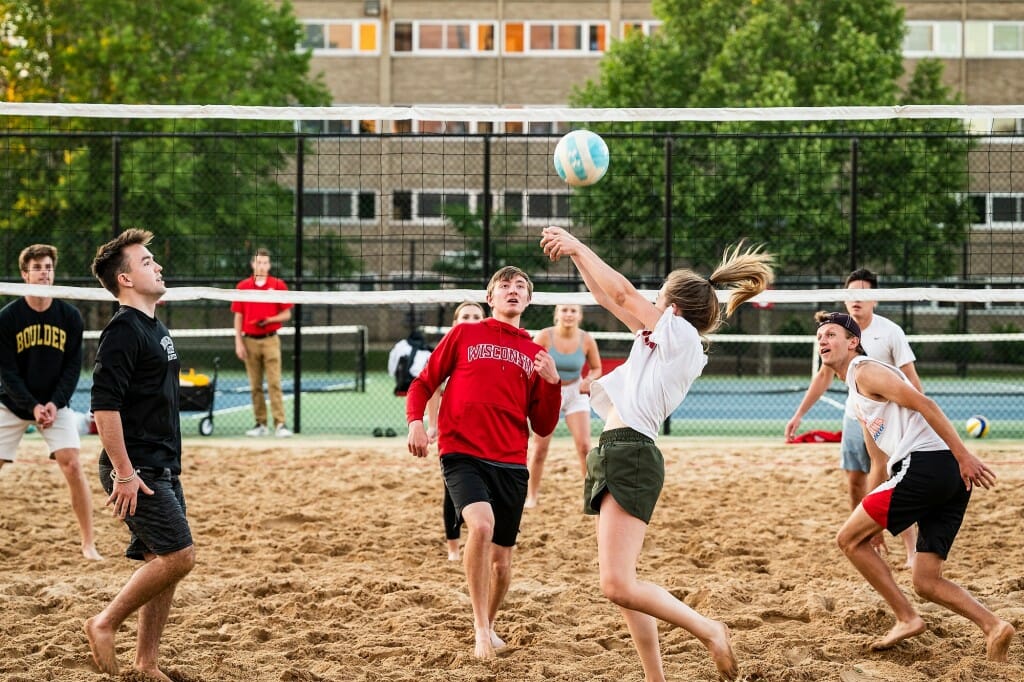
(297, 344)
(485, 239)
(854, 162)
(666, 428)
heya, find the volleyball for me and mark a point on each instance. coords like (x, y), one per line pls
(977, 426)
(581, 158)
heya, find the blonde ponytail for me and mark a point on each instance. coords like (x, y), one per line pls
(750, 270)
(696, 299)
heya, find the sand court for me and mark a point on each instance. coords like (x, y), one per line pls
(324, 560)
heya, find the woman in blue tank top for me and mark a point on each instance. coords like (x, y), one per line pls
(572, 349)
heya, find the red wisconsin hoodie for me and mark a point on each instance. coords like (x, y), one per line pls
(492, 391)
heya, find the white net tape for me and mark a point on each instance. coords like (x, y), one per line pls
(485, 113)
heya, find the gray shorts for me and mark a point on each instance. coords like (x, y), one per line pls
(158, 525)
(852, 450)
(628, 465)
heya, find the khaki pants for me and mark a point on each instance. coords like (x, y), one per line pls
(264, 356)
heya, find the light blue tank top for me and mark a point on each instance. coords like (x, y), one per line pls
(569, 365)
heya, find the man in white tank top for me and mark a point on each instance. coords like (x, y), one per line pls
(930, 475)
(883, 340)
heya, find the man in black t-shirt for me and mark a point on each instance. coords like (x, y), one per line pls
(135, 405)
(40, 363)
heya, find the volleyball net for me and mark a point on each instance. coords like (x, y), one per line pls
(383, 219)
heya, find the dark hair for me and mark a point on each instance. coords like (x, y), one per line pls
(862, 275)
(110, 260)
(36, 252)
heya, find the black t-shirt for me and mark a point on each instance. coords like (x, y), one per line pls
(40, 355)
(136, 374)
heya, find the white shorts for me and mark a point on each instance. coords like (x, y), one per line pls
(572, 400)
(61, 435)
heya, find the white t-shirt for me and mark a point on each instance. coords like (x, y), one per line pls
(884, 340)
(896, 430)
(401, 350)
(654, 379)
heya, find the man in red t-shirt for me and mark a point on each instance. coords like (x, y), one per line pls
(258, 346)
(500, 385)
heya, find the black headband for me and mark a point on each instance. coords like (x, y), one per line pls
(843, 320)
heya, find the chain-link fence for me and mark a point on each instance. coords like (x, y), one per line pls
(399, 212)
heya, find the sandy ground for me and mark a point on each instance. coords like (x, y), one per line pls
(324, 560)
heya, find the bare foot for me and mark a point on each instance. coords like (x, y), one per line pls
(530, 503)
(90, 553)
(483, 647)
(154, 673)
(453, 550)
(898, 633)
(997, 643)
(720, 649)
(496, 642)
(101, 644)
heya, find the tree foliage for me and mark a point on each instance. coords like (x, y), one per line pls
(781, 183)
(57, 176)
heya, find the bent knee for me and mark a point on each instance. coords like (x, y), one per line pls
(618, 591)
(181, 562)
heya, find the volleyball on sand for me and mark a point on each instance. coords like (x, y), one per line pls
(581, 158)
(977, 426)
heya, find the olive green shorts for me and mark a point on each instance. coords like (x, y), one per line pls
(629, 466)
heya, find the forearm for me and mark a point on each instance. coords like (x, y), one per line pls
(600, 277)
(108, 425)
(944, 428)
(819, 384)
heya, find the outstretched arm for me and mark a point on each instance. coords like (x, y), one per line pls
(611, 290)
(819, 384)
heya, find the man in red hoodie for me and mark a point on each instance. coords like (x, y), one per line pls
(500, 384)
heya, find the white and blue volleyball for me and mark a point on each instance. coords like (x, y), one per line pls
(581, 158)
(977, 426)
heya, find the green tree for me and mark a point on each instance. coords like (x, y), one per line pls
(508, 246)
(782, 183)
(216, 196)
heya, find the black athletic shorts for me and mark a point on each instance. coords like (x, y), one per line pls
(926, 489)
(158, 525)
(503, 486)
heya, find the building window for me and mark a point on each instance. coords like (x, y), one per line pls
(994, 39)
(546, 207)
(331, 127)
(444, 37)
(537, 207)
(1007, 37)
(562, 37)
(341, 38)
(932, 39)
(647, 28)
(432, 204)
(997, 211)
(401, 205)
(339, 205)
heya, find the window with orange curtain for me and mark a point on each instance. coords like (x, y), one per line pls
(367, 37)
(514, 34)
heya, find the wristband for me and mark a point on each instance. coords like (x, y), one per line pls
(115, 479)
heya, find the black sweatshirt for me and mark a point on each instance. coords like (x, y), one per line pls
(40, 355)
